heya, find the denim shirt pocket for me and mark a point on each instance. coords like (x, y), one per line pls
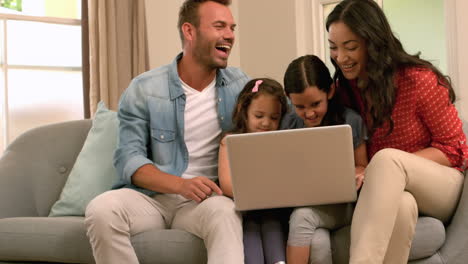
(163, 134)
(162, 145)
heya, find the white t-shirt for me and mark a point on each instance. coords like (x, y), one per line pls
(202, 131)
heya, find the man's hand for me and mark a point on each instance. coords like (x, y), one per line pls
(360, 173)
(198, 188)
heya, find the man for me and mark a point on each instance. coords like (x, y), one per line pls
(171, 120)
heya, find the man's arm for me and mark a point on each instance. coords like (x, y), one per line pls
(151, 178)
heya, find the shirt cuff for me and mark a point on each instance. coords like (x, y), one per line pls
(134, 164)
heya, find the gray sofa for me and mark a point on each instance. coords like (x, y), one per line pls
(34, 169)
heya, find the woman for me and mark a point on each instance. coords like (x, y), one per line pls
(417, 148)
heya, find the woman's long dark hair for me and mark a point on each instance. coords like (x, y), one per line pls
(385, 57)
(307, 71)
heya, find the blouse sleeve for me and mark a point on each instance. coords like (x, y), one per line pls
(357, 125)
(441, 118)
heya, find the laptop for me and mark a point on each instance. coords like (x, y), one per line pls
(291, 168)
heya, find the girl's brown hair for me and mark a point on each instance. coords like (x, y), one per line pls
(308, 71)
(246, 96)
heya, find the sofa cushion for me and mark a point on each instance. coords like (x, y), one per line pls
(93, 172)
(35, 166)
(428, 239)
(63, 239)
(58, 239)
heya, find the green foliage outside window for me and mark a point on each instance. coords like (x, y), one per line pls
(12, 4)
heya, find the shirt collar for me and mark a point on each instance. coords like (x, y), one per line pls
(175, 90)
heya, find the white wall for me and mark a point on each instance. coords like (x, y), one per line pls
(268, 37)
(163, 36)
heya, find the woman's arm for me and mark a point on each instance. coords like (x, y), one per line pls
(224, 174)
(434, 154)
(439, 115)
(360, 161)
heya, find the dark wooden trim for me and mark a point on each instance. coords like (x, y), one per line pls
(85, 57)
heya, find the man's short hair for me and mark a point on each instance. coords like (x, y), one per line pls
(188, 12)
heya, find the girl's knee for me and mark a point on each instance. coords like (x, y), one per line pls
(303, 218)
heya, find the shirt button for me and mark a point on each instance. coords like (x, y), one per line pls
(222, 118)
(161, 137)
(219, 99)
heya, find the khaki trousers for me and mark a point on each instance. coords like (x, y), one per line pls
(114, 216)
(398, 185)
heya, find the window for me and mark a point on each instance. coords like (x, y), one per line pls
(40, 60)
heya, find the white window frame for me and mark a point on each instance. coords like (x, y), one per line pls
(4, 17)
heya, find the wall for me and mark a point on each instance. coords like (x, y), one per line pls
(163, 37)
(269, 41)
(462, 57)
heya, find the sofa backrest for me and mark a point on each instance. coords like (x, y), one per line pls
(35, 167)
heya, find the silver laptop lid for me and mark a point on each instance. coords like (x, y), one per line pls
(290, 168)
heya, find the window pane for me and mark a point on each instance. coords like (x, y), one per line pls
(2, 115)
(39, 97)
(415, 20)
(2, 90)
(43, 44)
(2, 42)
(50, 8)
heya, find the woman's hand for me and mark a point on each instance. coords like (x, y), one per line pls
(360, 173)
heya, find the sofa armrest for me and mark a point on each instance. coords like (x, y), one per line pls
(35, 167)
(455, 248)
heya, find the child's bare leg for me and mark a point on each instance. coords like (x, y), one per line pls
(303, 223)
(297, 255)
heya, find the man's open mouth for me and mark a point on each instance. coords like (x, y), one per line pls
(223, 48)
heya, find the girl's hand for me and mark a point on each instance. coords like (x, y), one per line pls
(360, 173)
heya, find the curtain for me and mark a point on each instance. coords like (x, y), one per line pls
(117, 48)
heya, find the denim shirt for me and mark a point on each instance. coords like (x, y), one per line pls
(151, 115)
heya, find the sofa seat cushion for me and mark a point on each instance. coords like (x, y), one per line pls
(428, 239)
(63, 239)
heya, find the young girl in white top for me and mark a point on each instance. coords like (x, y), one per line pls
(260, 107)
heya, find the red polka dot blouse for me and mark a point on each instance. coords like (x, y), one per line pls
(423, 117)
